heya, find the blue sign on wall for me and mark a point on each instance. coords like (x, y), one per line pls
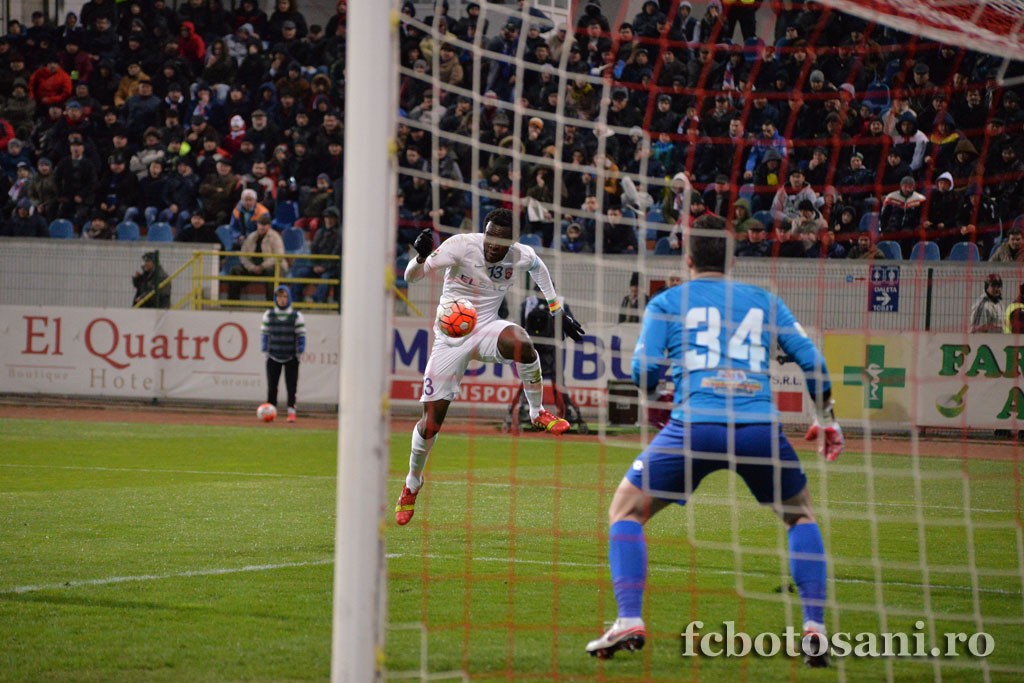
(884, 292)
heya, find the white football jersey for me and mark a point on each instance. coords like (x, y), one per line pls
(470, 276)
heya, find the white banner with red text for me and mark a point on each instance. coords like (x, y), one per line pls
(215, 356)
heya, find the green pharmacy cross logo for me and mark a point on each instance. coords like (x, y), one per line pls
(874, 376)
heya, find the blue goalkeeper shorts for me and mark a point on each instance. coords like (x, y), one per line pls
(675, 462)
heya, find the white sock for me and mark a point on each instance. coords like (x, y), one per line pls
(628, 622)
(533, 385)
(418, 459)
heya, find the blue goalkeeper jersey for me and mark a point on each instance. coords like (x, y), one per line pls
(716, 336)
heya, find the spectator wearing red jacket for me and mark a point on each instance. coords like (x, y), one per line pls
(191, 46)
(49, 84)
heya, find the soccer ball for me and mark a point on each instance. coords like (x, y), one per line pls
(456, 318)
(266, 412)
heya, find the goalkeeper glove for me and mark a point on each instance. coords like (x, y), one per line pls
(827, 432)
(571, 327)
(424, 243)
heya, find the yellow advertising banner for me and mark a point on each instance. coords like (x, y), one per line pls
(871, 376)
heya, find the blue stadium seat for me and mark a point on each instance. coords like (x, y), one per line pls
(869, 223)
(62, 229)
(890, 249)
(995, 246)
(654, 214)
(664, 248)
(747, 192)
(530, 239)
(964, 251)
(160, 232)
(877, 96)
(128, 231)
(226, 237)
(294, 241)
(925, 251)
(765, 218)
(285, 215)
(752, 49)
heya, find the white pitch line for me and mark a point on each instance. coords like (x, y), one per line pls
(161, 577)
(18, 590)
(724, 572)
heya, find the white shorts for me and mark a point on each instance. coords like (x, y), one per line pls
(449, 359)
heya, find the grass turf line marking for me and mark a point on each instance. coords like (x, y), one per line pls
(18, 590)
(729, 572)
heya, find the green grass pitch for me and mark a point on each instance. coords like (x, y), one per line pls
(137, 552)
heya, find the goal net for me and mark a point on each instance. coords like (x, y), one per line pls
(866, 157)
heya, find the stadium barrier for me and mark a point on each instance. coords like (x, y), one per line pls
(927, 380)
(886, 296)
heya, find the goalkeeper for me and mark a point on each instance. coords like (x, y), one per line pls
(713, 334)
(481, 268)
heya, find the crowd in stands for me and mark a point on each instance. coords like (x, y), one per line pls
(826, 139)
(196, 117)
(830, 128)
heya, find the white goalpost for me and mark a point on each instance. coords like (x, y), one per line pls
(359, 566)
(909, 508)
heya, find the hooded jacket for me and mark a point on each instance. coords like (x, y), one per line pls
(283, 330)
(913, 144)
(191, 48)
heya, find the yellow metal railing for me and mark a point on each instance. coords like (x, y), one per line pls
(206, 269)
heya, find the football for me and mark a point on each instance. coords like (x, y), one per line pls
(456, 318)
(266, 412)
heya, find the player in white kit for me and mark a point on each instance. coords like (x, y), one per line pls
(481, 267)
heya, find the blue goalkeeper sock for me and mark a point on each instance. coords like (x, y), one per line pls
(808, 571)
(627, 557)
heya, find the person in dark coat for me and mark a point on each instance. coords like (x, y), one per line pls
(24, 222)
(147, 280)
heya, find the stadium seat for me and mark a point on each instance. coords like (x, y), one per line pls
(530, 239)
(869, 223)
(765, 218)
(226, 237)
(664, 248)
(995, 246)
(877, 96)
(964, 251)
(925, 251)
(752, 47)
(160, 232)
(1018, 223)
(654, 214)
(285, 215)
(62, 229)
(747, 192)
(128, 231)
(294, 241)
(890, 250)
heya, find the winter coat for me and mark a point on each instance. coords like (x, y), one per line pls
(19, 111)
(901, 213)
(50, 88)
(272, 244)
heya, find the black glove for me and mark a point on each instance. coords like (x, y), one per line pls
(424, 243)
(571, 327)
